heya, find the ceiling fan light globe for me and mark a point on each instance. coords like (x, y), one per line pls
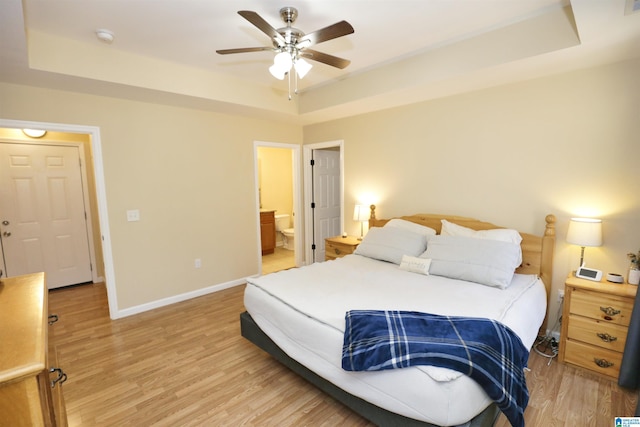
(283, 60)
(302, 67)
(277, 72)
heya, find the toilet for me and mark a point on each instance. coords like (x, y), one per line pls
(282, 226)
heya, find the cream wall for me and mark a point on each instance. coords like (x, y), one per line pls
(567, 145)
(189, 172)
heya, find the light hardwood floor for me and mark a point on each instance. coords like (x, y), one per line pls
(187, 365)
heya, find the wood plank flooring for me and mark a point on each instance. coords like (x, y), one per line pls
(187, 365)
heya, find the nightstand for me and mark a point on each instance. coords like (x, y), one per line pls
(595, 319)
(337, 247)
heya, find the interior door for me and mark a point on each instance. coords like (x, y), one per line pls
(42, 216)
(326, 198)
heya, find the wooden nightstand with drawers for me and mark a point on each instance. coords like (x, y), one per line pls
(337, 247)
(595, 319)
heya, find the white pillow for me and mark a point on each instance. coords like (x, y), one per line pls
(415, 265)
(500, 234)
(484, 261)
(411, 226)
(391, 243)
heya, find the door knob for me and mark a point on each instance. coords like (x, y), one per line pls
(6, 233)
(5, 222)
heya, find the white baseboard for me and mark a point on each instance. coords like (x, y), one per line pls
(177, 298)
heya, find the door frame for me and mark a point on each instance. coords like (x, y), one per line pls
(308, 191)
(85, 192)
(297, 225)
(101, 195)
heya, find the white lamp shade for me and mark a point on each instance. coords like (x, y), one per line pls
(361, 213)
(277, 72)
(283, 60)
(281, 65)
(585, 232)
(302, 67)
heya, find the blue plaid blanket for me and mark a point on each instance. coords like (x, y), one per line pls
(483, 349)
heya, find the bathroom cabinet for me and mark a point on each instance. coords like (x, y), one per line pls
(267, 232)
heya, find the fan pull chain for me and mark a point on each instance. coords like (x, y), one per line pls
(289, 73)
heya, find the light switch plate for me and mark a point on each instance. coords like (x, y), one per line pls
(133, 215)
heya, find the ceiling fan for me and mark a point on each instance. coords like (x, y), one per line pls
(291, 45)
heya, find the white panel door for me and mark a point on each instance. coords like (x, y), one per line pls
(326, 198)
(42, 217)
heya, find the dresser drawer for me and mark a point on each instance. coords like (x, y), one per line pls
(597, 332)
(606, 362)
(610, 308)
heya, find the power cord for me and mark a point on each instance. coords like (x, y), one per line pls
(547, 345)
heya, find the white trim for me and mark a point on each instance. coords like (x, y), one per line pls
(308, 188)
(179, 298)
(297, 225)
(101, 196)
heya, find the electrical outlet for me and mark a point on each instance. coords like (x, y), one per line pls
(197, 263)
(133, 215)
(560, 295)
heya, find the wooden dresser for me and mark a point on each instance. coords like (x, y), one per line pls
(337, 247)
(595, 319)
(30, 384)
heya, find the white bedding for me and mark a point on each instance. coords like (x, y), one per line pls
(302, 310)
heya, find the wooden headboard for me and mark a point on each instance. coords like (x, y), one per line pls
(537, 251)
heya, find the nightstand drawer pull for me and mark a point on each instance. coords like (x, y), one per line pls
(606, 337)
(603, 363)
(337, 251)
(609, 311)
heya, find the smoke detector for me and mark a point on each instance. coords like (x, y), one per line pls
(105, 36)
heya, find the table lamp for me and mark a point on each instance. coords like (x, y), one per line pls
(361, 214)
(584, 232)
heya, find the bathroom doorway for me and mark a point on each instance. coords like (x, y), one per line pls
(277, 181)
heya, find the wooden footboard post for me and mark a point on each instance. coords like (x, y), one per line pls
(546, 262)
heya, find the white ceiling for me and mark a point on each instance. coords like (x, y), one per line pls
(402, 50)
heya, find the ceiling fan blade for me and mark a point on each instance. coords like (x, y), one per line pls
(243, 50)
(325, 58)
(331, 32)
(262, 25)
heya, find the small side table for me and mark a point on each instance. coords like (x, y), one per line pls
(595, 319)
(337, 247)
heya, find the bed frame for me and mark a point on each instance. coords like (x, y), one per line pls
(537, 258)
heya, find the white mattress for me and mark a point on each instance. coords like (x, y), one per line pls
(302, 310)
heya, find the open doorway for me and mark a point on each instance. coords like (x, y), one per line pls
(277, 168)
(103, 240)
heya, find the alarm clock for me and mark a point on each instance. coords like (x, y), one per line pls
(589, 274)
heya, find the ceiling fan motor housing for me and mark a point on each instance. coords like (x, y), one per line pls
(289, 14)
(291, 35)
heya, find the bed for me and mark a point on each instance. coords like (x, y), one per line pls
(298, 315)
